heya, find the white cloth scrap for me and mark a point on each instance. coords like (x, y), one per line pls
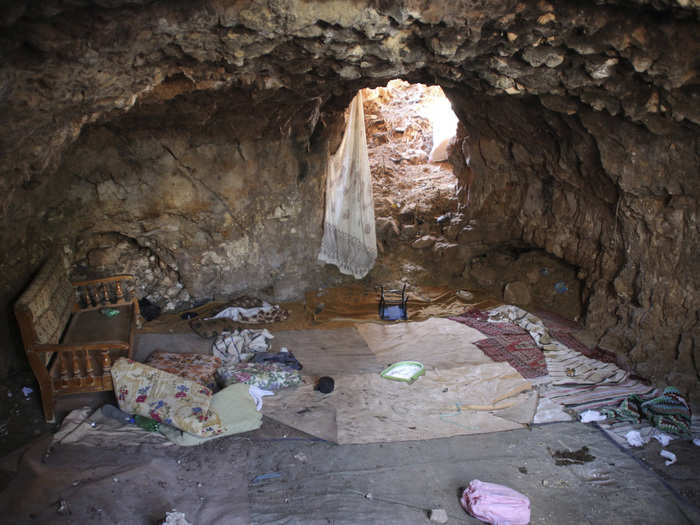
(240, 345)
(668, 455)
(696, 442)
(257, 394)
(592, 415)
(662, 438)
(237, 313)
(634, 438)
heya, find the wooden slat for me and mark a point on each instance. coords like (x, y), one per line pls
(106, 370)
(63, 369)
(89, 369)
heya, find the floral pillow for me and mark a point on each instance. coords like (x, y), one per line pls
(164, 397)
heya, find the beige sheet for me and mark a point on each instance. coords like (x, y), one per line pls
(436, 342)
(443, 403)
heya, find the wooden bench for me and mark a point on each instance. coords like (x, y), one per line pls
(69, 343)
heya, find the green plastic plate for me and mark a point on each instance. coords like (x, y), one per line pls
(406, 371)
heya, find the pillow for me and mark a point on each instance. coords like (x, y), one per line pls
(164, 397)
(236, 409)
(199, 368)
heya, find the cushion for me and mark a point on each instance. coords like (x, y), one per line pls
(165, 397)
(236, 409)
(268, 376)
(199, 368)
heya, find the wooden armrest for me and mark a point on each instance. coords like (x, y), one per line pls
(101, 345)
(110, 279)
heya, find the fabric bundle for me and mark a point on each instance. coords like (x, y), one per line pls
(495, 504)
(668, 412)
(240, 345)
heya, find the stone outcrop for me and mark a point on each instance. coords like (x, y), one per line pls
(197, 133)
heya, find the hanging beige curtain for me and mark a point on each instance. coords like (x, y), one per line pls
(349, 239)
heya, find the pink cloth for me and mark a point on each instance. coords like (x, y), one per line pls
(496, 504)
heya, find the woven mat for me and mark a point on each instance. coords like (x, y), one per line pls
(520, 351)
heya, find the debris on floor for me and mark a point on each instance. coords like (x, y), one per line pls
(175, 518)
(569, 457)
(438, 515)
(670, 456)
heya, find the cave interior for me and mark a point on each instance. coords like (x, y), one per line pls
(188, 144)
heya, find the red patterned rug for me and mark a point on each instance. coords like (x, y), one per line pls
(520, 351)
(507, 342)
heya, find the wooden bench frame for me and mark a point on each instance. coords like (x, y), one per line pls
(54, 379)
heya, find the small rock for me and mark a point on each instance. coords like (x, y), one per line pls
(424, 242)
(464, 295)
(438, 515)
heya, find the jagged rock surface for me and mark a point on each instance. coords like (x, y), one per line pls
(583, 120)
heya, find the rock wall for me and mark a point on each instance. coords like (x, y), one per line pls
(585, 118)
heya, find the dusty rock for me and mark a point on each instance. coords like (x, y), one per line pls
(516, 292)
(423, 242)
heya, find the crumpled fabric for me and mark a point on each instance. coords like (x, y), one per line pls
(240, 345)
(257, 394)
(495, 504)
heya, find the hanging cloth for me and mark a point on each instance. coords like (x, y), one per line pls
(349, 239)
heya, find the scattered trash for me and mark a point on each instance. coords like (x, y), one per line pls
(406, 371)
(592, 415)
(368, 495)
(9, 394)
(284, 350)
(62, 508)
(522, 470)
(568, 457)
(668, 455)
(662, 438)
(464, 295)
(325, 385)
(93, 424)
(257, 394)
(634, 438)
(560, 287)
(265, 477)
(571, 372)
(437, 515)
(301, 457)
(495, 504)
(696, 442)
(188, 315)
(26, 391)
(109, 312)
(115, 480)
(544, 271)
(175, 518)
